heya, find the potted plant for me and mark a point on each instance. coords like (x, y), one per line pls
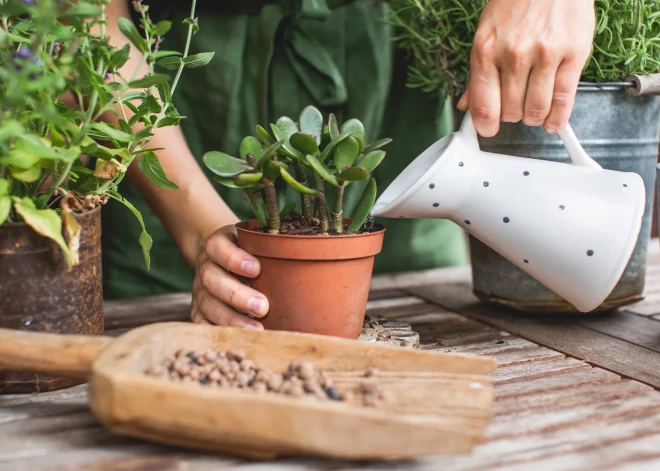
(58, 76)
(315, 263)
(615, 121)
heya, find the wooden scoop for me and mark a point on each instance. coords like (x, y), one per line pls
(441, 402)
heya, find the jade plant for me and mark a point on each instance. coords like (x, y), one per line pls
(311, 156)
(438, 35)
(58, 76)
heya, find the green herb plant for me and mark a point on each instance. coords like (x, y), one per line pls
(310, 156)
(52, 51)
(439, 33)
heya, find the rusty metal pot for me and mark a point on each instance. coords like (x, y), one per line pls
(38, 293)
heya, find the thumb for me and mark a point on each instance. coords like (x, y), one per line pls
(464, 102)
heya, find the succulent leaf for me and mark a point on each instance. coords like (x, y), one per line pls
(287, 125)
(224, 165)
(371, 160)
(250, 145)
(363, 207)
(245, 180)
(376, 145)
(333, 129)
(272, 168)
(345, 153)
(320, 168)
(311, 122)
(354, 126)
(330, 147)
(354, 174)
(267, 154)
(264, 137)
(304, 143)
(296, 185)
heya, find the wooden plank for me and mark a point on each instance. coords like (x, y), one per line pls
(642, 331)
(639, 454)
(529, 371)
(135, 312)
(554, 383)
(556, 332)
(501, 345)
(426, 277)
(387, 293)
(569, 397)
(486, 334)
(526, 356)
(513, 426)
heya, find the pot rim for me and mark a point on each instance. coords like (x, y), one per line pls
(76, 216)
(242, 226)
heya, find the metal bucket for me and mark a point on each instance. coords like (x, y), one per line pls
(621, 133)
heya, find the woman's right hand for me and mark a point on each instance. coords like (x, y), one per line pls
(218, 297)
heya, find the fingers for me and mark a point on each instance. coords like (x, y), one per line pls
(563, 96)
(223, 250)
(464, 102)
(207, 310)
(515, 70)
(227, 289)
(484, 84)
(539, 94)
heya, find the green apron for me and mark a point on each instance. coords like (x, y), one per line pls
(274, 61)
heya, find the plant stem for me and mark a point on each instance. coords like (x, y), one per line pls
(305, 200)
(338, 210)
(270, 196)
(320, 204)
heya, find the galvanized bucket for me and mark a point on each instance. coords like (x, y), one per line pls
(621, 133)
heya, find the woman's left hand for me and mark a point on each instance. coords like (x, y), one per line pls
(526, 61)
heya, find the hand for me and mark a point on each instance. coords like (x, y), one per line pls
(217, 296)
(526, 61)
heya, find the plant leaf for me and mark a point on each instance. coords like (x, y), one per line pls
(119, 57)
(345, 153)
(5, 207)
(287, 125)
(245, 180)
(170, 63)
(45, 222)
(264, 137)
(311, 122)
(360, 144)
(250, 145)
(363, 207)
(296, 185)
(29, 175)
(228, 182)
(4, 186)
(145, 239)
(354, 174)
(198, 60)
(128, 29)
(333, 129)
(304, 143)
(320, 168)
(160, 54)
(267, 154)
(83, 10)
(272, 168)
(106, 131)
(376, 145)
(371, 160)
(286, 149)
(354, 126)
(330, 147)
(224, 165)
(149, 81)
(161, 28)
(258, 212)
(153, 170)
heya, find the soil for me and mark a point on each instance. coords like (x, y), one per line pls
(297, 224)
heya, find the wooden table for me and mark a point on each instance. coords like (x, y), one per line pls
(573, 392)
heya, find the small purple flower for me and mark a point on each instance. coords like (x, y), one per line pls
(107, 75)
(36, 61)
(23, 53)
(29, 2)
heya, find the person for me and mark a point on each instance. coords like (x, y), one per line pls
(273, 58)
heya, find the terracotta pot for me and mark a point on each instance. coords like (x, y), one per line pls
(314, 284)
(39, 294)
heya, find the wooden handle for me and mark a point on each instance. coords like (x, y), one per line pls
(63, 355)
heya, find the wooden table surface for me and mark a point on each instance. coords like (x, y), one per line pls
(573, 392)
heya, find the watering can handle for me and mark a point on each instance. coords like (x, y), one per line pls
(573, 147)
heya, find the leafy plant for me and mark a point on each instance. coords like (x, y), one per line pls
(438, 34)
(58, 76)
(310, 156)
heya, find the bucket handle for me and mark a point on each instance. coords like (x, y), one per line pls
(575, 150)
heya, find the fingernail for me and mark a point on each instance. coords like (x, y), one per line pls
(250, 267)
(252, 326)
(551, 131)
(257, 306)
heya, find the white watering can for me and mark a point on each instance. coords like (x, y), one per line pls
(571, 227)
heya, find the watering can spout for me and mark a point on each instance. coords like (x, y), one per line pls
(378, 209)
